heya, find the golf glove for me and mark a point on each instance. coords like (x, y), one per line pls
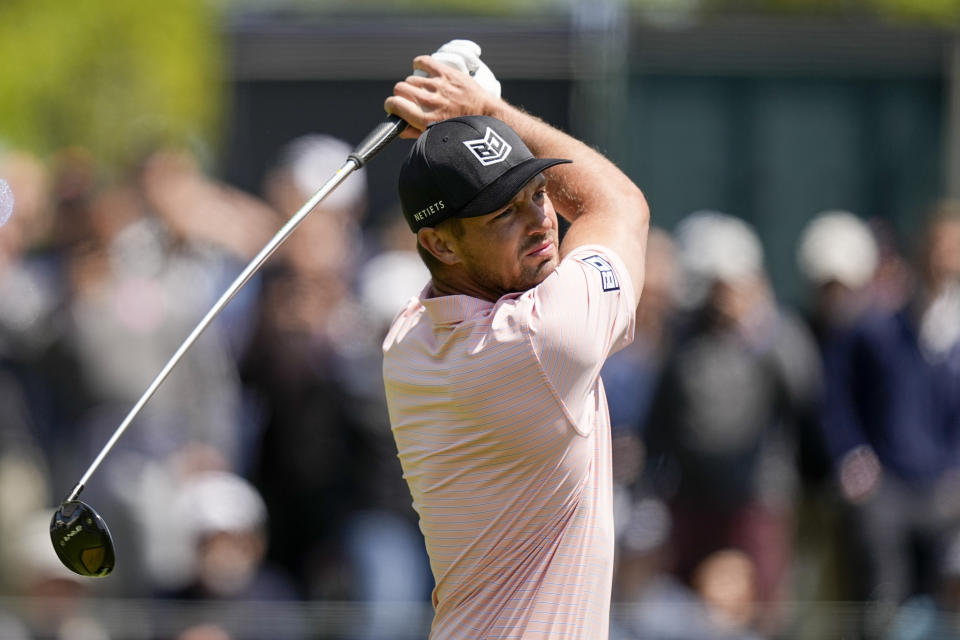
(464, 55)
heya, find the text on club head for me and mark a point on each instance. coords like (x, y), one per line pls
(66, 538)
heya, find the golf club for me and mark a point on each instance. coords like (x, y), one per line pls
(80, 536)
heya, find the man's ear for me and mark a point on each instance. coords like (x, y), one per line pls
(438, 244)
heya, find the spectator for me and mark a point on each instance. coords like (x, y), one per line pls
(726, 580)
(838, 256)
(329, 240)
(24, 484)
(30, 299)
(27, 289)
(326, 440)
(740, 376)
(140, 281)
(140, 276)
(654, 605)
(630, 375)
(892, 422)
(225, 525)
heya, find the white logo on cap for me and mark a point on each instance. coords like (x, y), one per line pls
(490, 149)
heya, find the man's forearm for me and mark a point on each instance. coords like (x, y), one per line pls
(591, 182)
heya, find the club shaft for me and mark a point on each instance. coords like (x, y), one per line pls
(348, 167)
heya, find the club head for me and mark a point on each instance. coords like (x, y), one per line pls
(81, 539)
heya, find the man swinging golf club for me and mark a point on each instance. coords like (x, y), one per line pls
(492, 373)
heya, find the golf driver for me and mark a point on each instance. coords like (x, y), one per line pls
(80, 536)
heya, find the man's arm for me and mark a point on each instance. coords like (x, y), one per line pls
(857, 465)
(604, 205)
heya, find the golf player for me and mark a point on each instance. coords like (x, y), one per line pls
(492, 372)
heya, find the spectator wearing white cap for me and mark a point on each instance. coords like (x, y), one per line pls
(891, 421)
(315, 366)
(838, 256)
(293, 368)
(225, 520)
(739, 380)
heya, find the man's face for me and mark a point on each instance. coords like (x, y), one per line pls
(514, 248)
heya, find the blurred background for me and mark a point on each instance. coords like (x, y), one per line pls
(787, 422)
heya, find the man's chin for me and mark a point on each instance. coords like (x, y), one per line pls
(539, 274)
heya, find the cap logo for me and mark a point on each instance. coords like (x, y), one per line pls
(490, 149)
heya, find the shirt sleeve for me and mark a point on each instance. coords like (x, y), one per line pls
(580, 314)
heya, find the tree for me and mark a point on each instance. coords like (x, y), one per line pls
(108, 75)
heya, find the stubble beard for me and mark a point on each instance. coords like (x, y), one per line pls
(533, 274)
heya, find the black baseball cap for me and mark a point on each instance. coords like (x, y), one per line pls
(465, 167)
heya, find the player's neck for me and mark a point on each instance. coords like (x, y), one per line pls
(458, 284)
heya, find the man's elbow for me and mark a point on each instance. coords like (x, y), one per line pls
(638, 209)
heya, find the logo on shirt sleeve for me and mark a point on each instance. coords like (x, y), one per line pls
(608, 277)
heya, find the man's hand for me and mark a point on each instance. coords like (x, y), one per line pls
(441, 89)
(860, 474)
(464, 55)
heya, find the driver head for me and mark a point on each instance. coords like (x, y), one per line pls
(81, 539)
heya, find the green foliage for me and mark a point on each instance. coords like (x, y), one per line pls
(946, 12)
(934, 12)
(943, 12)
(409, 7)
(109, 75)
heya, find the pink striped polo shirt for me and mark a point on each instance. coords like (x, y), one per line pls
(503, 433)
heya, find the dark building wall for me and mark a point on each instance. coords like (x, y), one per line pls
(776, 151)
(771, 121)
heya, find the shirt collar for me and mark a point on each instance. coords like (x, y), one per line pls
(451, 309)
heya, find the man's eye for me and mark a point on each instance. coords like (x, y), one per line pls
(504, 214)
(540, 194)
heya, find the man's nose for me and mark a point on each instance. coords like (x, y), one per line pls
(537, 218)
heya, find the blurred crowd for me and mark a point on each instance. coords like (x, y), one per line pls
(765, 457)
(264, 468)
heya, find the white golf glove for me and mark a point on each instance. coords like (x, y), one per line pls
(464, 55)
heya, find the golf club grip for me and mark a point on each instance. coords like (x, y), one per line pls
(381, 136)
